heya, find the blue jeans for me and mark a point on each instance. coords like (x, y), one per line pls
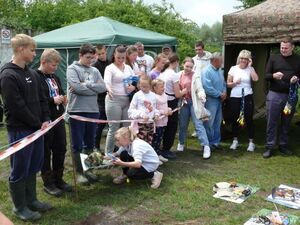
(83, 133)
(213, 126)
(187, 112)
(28, 160)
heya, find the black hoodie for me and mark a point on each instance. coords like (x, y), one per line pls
(25, 105)
(55, 110)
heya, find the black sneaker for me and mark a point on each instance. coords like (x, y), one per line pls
(62, 185)
(284, 150)
(51, 189)
(168, 154)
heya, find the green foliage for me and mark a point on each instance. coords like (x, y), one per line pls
(46, 15)
(249, 3)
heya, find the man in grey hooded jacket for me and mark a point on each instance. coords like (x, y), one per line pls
(84, 84)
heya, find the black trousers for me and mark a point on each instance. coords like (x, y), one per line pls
(55, 146)
(171, 128)
(134, 173)
(235, 107)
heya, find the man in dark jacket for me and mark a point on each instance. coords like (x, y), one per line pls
(26, 111)
(55, 140)
(281, 71)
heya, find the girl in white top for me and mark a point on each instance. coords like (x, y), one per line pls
(117, 99)
(137, 158)
(143, 106)
(172, 89)
(239, 79)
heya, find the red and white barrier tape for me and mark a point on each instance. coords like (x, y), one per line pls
(28, 140)
(34, 136)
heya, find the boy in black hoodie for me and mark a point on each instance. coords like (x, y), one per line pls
(55, 140)
(26, 111)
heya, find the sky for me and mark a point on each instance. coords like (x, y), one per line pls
(202, 11)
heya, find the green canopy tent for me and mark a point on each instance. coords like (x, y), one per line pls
(101, 30)
(258, 29)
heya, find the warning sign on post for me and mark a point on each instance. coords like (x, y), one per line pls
(5, 36)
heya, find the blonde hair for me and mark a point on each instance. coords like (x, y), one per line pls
(158, 58)
(21, 40)
(156, 82)
(126, 132)
(50, 55)
(243, 54)
(145, 78)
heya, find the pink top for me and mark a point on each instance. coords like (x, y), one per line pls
(162, 107)
(185, 81)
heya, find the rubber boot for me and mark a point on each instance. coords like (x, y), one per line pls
(80, 177)
(32, 202)
(18, 192)
(59, 182)
(49, 185)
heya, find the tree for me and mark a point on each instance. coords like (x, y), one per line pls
(249, 3)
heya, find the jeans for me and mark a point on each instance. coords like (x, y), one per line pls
(187, 112)
(83, 133)
(213, 126)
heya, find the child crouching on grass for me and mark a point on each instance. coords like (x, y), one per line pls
(137, 157)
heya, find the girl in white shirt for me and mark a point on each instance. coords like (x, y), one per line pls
(143, 106)
(137, 158)
(117, 99)
(239, 79)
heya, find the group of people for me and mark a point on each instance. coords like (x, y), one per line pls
(152, 93)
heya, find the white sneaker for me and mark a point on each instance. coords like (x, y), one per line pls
(156, 179)
(251, 147)
(206, 152)
(234, 145)
(163, 159)
(194, 134)
(160, 162)
(180, 147)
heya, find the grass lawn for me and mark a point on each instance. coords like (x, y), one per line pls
(185, 196)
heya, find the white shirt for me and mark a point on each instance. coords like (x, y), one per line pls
(170, 77)
(201, 62)
(113, 78)
(245, 75)
(145, 59)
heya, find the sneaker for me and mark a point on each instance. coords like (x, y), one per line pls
(160, 162)
(194, 134)
(206, 152)
(251, 147)
(81, 179)
(120, 179)
(156, 179)
(168, 154)
(163, 159)
(180, 147)
(234, 145)
(51, 189)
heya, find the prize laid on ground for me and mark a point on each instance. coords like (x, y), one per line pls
(268, 217)
(285, 195)
(233, 192)
(94, 160)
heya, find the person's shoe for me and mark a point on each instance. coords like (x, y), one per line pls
(234, 145)
(120, 179)
(81, 179)
(206, 152)
(251, 147)
(194, 134)
(168, 154)
(156, 179)
(160, 163)
(284, 150)
(51, 189)
(26, 214)
(61, 184)
(163, 159)
(180, 147)
(91, 176)
(268, 153)
(217, 147)
(40, 206)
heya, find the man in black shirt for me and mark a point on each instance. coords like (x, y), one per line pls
(101, 64)
(281, 71)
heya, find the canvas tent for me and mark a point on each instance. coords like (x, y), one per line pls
(258, 29)
(101, 30)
